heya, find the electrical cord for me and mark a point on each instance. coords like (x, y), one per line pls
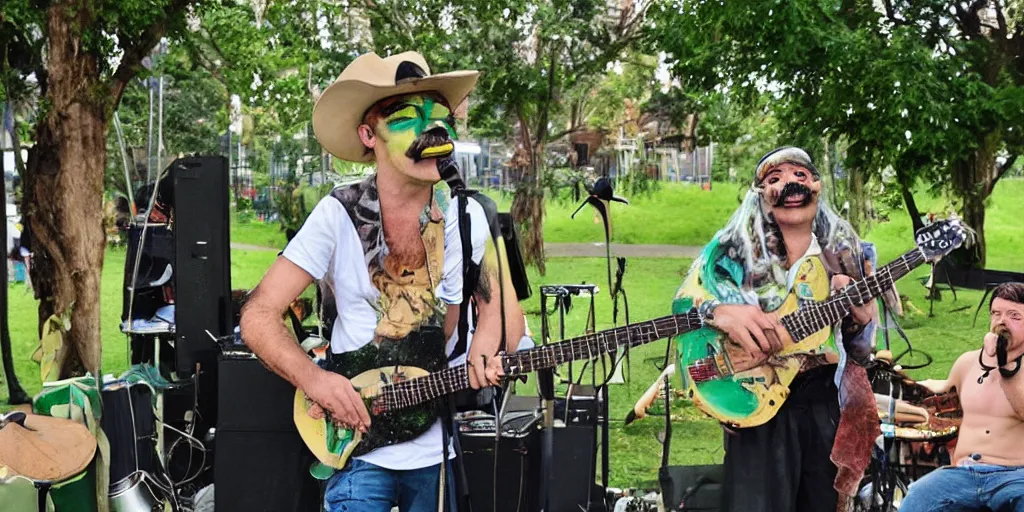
(138, 261)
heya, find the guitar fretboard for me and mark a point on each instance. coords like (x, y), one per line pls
(407, 393)
(811, 318)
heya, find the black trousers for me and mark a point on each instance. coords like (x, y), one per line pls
(784, 465)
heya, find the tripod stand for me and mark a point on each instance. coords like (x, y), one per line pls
(562, 294)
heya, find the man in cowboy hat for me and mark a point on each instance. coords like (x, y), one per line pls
(387, 252)
(808, 456)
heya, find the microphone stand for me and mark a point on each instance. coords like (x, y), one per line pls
(546, 390)
(546, 380)
(600, 192)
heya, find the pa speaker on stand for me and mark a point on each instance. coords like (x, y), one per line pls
(202, 254)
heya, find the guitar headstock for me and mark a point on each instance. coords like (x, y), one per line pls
(942, 237)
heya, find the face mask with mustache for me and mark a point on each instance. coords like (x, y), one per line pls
(433, 143)
(794, 189)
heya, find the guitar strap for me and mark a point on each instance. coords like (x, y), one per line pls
(471, 275)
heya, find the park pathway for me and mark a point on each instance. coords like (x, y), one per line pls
(577, 250)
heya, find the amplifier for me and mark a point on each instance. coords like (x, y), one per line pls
(518, 461)
(581, 408)
(519, 465)
(574, 471)
(262, 463)
(252, 398)
(264, 472)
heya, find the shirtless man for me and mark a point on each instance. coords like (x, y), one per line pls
(988, 470)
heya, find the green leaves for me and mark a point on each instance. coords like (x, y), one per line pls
(929, 89)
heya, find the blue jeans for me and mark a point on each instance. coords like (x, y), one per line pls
(364, 487)
(967, 488)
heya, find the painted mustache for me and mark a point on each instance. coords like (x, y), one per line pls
(434, 143)
(794, 189)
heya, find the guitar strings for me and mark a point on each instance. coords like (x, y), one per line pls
(421, 389)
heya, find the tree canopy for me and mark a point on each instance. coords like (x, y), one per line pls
(932, 89)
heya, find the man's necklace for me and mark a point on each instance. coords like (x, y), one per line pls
(1002, 371)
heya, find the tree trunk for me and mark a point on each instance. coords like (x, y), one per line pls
(689, 142)
(15, 394)
(974, 178)
(974, 216)
(64, 190)
(528, 204)
(528, 211)
(907, 191)
(856, 199)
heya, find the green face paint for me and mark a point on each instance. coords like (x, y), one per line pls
(409, 126)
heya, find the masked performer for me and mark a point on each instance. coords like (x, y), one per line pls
(806, 452)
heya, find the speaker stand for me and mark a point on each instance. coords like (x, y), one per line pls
(159, 406)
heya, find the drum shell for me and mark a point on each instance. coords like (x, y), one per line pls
(129, 424)
(76, 494)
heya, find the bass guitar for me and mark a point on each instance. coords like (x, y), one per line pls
(731, 387)
(399, 397)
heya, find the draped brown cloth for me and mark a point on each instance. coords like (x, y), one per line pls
(857, 431)
(45, 448)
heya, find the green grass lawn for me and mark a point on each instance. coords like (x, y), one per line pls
(681, 214)
(650, 285)
(696, 214)
(256, 232)
(631, 223)
(246, 270)
(1003, 229)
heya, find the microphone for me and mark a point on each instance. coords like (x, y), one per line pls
(1001, 348)
(449, 172)
(601, 191)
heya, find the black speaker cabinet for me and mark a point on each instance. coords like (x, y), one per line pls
(264, 472)
(574, 472)
(251, 397)
(202, 257)
(262, 463)
(130, 426)
(518, 469)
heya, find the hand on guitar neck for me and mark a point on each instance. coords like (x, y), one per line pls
(862, 315)
(487, 371)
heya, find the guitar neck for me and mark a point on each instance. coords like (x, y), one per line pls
(811, 318)
(591, 346)
(450, 380)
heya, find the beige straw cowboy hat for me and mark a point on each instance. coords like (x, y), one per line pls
(369, 79)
